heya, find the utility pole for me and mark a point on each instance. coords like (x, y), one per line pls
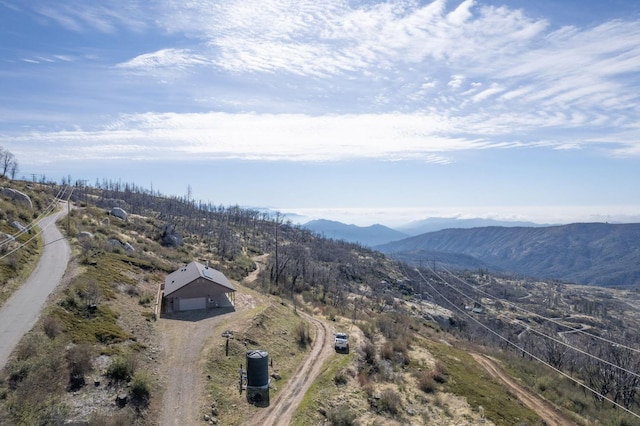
(277, 266)
(69, 210)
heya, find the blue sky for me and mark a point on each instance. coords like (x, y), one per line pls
(359, 111)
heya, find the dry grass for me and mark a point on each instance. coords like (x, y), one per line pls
(269, 326)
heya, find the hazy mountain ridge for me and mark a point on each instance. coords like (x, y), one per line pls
(586, 253)
(433, 224)
(365, 235)
(380, 234)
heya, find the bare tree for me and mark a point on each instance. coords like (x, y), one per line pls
(13, 170)
(8, 162)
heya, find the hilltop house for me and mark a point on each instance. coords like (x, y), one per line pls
(197, 286)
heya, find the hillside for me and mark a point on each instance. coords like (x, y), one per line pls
(586, 253)
(415, 353)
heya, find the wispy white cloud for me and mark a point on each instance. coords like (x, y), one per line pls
(252, 137)
(432, 138)
(172, 58)
(80, 16)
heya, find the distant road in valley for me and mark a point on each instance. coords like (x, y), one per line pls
(21, 311)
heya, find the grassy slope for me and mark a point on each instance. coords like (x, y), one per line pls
(468, 378)
(270, 326)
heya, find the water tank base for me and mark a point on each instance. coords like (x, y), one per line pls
(258, 396)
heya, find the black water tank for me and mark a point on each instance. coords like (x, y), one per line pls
(257, 368)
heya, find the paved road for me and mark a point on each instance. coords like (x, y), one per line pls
(20, 312)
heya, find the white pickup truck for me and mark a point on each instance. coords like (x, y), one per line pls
(341, 342)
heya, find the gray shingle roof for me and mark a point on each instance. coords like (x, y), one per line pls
(189, 273)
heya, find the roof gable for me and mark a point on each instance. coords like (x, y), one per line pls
(191, 272)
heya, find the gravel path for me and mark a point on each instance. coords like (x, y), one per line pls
(21, 311)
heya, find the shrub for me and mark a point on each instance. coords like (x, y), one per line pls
(387, 351)
(145, 300)
(122, 368)
(340, 378)
(52, 414)
(79, 360)
(426, 382)
(390, 402)
(52, 326)
(369, 353)
(439, 372)
(302, 336)
(341, 416)
(140, 389)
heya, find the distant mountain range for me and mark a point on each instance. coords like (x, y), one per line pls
(585, 253)
(380, 234)
(365, 235)
(434, 224)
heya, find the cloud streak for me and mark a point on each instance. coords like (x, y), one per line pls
(291, 137)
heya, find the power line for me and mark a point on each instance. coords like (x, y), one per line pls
(22, 245)
(524, 350)
(33, 223)
(578, 330)
(547, 336)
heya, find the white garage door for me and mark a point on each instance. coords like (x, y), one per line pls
(192, 304)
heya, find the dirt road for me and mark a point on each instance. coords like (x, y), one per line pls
(21, 311)
(284, 405)
(542, 408)
(184, 336)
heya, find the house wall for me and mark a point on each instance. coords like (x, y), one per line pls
(215, 294)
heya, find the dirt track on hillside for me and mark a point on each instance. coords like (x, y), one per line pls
(542, 408)
(284, 405)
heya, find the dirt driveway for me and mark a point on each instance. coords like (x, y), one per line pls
(542, 408)
(183, 338)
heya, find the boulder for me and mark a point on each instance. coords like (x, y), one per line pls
(85, 235)
(119, 213)
(117, 243)
(20, 227)
(170, 238)
(17, 196)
